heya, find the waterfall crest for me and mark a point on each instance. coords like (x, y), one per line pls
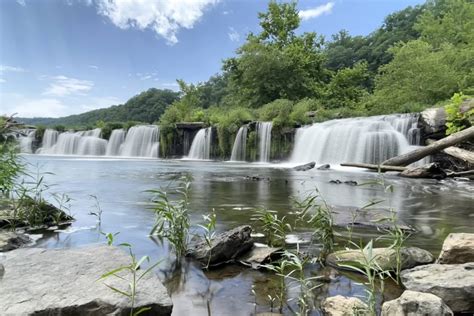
(264, 132)
(141, 141)
(26, 142)
(201, 146)
(366, 139)
(116, 139)
(240, 144)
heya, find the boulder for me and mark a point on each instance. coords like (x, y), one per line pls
(431, 170)
(453, 283)
(412, 303)
(457, 248)
(258, 255)
(324, 167)
(65, 282)
(344, 306)
(305, 167)
(433, 121)
(11, 240)
(225, 247)
(385, 258)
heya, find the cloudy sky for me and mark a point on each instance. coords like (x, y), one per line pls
(65, 57)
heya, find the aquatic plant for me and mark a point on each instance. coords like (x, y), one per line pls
(134, 275)
(275, 228)
(209, 232)
(172, 217)
(11, 166)
(98, 209)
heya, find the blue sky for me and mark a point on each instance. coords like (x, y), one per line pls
(66, 57)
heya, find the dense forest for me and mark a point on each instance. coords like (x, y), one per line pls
(419, 57)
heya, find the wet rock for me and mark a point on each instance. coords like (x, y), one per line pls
(65, 282)
(350, 182)
(431, 171)
(10, 240)
(258, 255)
(2, 270)
(305, 167)
(412, 303)
(337, 181)
(324, 167)
(257, 178)
(225, 247)
(343, 306)
(457, 248)
(433, 121)
(453, 283)
(385, 257)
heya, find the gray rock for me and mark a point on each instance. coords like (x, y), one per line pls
(344, 306)
(324, 167)
(433, 120)
(65, 282)
(305, 167)
(386, 258)
(258, 255)
(412, 303)
(10, 240)
(431, 171)
(457, 248)
(225, 247)
(453, 283)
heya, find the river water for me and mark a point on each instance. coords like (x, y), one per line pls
(434, 208)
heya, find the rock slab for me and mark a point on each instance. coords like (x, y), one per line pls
(225, 247)
(453, 283)
(412, 303)
(344, 306)
(65, 282)
(386, 258)
(457, 248)
(305, 167)
(10, 240)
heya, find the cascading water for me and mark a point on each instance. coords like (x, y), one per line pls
(115, 142)
(141, 141)
(50, 137)
(26, 142)
(201, 146)
(264, 132)
(368, 139)
(240, 144)
(86, 143)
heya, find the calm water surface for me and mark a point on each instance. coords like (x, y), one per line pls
(434, 208)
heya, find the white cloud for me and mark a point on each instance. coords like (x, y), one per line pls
(164, 17)
(93, 67)
(62, 86)
(44, 107)
(98, 103)
(234, 36)
(316, 11)
(2, 80)
(21, 2)
(5, 68)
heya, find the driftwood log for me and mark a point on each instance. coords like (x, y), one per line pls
(420, 153)
(456, 152)
(380, 168)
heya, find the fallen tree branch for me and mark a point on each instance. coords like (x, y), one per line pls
(420, 153)
(380, 168)
(456, 152)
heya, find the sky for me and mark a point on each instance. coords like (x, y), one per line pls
(62, 57)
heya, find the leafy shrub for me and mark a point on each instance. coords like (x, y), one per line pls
(457, 121)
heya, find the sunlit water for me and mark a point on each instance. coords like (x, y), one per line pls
(434, 208)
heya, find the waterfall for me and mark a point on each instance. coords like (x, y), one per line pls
(73, 143)
(50, 137)
(264, 132)
(368, 139)
(141, 141)
(201, 146)
(240, 144)
(26, 142)
(115, 142)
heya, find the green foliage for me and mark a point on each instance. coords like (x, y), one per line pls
(11, 167)
(273, 227)
(301, 109)
(278, 112)
(209, 229)
(457, 120)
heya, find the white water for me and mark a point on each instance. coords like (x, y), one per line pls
(86, 143)
(201, 146)
(240, 144)
(367, 139)
(141, 141)
(26, 142)
(50, 137)
(117, 137)
(264, 132)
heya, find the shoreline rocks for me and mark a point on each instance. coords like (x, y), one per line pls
(457, 248)
(65, 281)
(416, 303)
(10, 240)
(343, 306)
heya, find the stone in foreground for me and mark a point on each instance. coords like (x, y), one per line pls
(457, 248)
(305, 167)
(258, 255)
(225, 247)
(412, 303)
(344, 306)
(453, 283)
(65, 282)
(385, 257)
(10, 240)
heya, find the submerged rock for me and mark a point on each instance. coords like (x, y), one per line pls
(453, 283)
(457, 248)
(258, 255)
(385, 258)
(412, 303)
(65, 282)
(225, 247)
(305, 167)
(11, 240)
(344, 306)
(431, 170)
(324, 167)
